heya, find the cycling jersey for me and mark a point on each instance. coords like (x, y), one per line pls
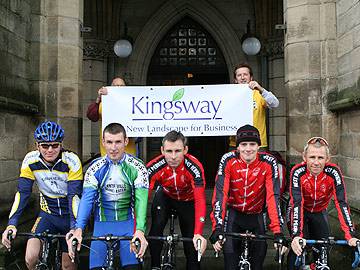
(185, 183)
(60, 185)
(246, 187)
(119, 190)
(313, 193)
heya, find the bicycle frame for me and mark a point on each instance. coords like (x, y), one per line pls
(244, 263)
(168, 259)
(47, 242)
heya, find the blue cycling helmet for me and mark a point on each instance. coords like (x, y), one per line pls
(49, 132)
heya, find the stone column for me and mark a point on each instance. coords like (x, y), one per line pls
(277, 117)
(310, 72)
(95, 76)
(57, 55)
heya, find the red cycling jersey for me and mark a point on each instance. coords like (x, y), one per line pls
(246, 188)
(185, 183)
(313, 194)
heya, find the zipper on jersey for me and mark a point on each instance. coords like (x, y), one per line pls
(314, 204)
(245, 186)
(176, 188)
(51, 169)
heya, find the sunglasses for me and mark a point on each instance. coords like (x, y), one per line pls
(320, 140)
(47, 145)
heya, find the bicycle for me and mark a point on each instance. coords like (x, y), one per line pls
(48, 241)
(322, 262)
(111, 242)
(168, 257)
(244, 258)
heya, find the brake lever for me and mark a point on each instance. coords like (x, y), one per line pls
(198, 247)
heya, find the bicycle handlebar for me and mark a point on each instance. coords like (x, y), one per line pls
(330, 241)
(250, 236)
(108, 238)
(42, 235)
(170, 238)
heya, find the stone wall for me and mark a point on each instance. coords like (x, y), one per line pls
(310, 72)
(18, 101)
(322, 76)
(348, 92)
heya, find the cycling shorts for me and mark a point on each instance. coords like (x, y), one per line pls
(54, 225)
(98, 248)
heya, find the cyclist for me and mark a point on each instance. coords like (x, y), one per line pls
(246, 181)
(312, 185)
(117, 185)
(181, 186)
(58, 174)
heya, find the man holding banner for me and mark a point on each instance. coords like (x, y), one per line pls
(181, 187)
(262, 99)
(94, 113)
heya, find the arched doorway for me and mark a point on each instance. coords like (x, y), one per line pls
(188, 55)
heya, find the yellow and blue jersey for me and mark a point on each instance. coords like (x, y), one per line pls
(60, 185)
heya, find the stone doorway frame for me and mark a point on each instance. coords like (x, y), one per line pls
(167, 16)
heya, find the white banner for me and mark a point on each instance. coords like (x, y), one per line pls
(195, 110)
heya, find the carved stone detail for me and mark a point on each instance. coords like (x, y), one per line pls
(96, 49)
(274, 47)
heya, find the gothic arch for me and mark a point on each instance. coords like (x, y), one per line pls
(169, 14)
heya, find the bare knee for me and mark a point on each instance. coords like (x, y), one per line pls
(32, 253)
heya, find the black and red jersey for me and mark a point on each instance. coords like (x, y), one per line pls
(313, 194)
(185, 183)
(247, 188)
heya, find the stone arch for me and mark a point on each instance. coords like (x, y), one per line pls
(168, 15)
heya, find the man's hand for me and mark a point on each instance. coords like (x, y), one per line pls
(5, 240)
(217, 239)
(101, 91)
(352, 242)
(143, 244)
(70, 236)
(279, 240)
(295, 245)
(203, 242)
(254, 85)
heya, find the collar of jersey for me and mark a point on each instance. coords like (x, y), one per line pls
(118, 162)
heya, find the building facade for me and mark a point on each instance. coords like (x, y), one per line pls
(52, 67)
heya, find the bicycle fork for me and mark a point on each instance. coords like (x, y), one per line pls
(244, 263)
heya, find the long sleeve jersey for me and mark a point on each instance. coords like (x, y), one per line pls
(118, 191)
(185, 183)
(60, 185)
(247, 188)
(313, 194)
